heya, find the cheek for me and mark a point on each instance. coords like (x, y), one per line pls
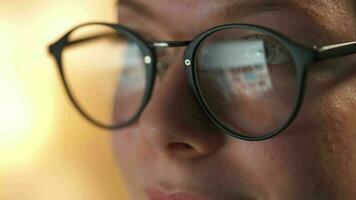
(132, 149)
(330, 99)
(285, 165)
(124, 146)
(336, 115)
(128, 145)
(295, 165)
(130, 153)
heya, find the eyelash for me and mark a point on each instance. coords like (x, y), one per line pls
(273, 45)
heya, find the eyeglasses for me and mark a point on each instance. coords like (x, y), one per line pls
(249, 80)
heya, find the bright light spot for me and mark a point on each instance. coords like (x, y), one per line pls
(16, 119)
(14, 113)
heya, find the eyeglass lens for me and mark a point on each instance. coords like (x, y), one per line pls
(105, 74)
(247, 79)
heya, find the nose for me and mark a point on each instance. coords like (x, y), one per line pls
(173, 123)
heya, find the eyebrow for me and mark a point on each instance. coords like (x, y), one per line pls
(136, 6)
(240, 9)
(235, 9)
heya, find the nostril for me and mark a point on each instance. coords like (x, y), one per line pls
(179, 146)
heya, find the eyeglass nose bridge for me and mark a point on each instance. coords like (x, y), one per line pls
(169, 44)
(166, 44)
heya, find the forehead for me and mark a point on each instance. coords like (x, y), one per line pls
(183, 19)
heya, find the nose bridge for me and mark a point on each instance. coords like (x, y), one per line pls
(173, 122)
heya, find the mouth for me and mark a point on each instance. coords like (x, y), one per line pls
(157, 194)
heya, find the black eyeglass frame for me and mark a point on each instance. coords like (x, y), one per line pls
(303, 56)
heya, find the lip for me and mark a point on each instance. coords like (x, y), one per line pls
(156, 194)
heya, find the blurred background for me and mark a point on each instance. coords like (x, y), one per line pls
(47, 150)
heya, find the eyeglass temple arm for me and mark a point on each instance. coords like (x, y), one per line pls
(336, 50)
(92, 38)
(112, 36)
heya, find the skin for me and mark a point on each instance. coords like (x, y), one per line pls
(174, 147)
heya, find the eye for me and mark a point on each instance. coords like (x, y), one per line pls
(276, 53)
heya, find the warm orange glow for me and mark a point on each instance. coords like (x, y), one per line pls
(47, 150)
(17, 122)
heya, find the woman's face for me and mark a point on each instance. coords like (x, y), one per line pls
(173, 152)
